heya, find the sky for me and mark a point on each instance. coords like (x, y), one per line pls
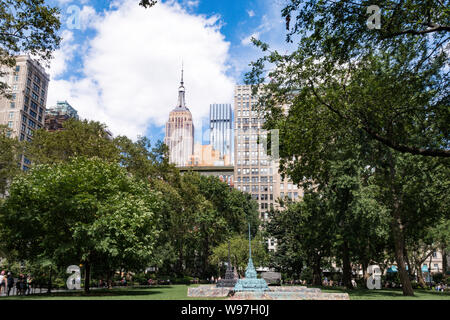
(120, 64)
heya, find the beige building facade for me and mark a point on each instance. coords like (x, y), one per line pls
(256, 172)
(206, 155)
(25, 111)
(180, 131)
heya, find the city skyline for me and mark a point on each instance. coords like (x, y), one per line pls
(212, 38)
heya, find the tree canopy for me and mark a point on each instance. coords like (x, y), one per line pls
(82, 211)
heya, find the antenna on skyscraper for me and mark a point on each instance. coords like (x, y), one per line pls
(182, 69)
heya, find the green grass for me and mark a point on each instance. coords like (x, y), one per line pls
(166, 292)
(179, 292)
(389, 294)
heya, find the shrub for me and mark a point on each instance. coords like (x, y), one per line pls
(437, 277)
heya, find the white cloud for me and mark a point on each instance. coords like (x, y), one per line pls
(63, 55)
(251, 13)
(132, 67)
(88, 16)
(192, 3)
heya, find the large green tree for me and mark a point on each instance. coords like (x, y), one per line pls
(239, 253)
(78, 138)
(198, 214)
(27, 26)
(404, 103)
(386, 89)
(83, 211)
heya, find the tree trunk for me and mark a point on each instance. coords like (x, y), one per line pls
(410, 274)
(317, 272)
(180, 261)
(444, 262)
(398, 233)
(365, 265)
(49, 289)
(87, 277)
(109, 276)
(420, 278)
(346, 267)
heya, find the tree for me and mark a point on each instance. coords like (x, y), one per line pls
(390, 96)
(84, 211)
(147, 3)
(144, 161)
(78, 138)
(334, 40)
(304, 230)
(27, 26)
(9, 157)
(198, 214)
(239, 251)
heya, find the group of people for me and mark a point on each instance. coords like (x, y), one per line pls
(441, 287)
(7, 282)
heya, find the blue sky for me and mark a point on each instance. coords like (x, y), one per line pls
(119, 63)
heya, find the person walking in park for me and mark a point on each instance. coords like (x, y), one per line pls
(2, 282)
(29, 284)
(10, 282)
(19, 284)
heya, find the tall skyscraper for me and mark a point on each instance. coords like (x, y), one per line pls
(221, 127)
(55, 116)
(25, 111)
(254, 171)
(180, 131)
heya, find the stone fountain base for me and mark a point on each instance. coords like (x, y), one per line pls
(274, 293)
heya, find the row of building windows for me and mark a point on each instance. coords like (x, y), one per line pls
(262, 171)
(290, 186)
(290, 195)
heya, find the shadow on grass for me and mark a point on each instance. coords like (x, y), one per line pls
(115, 292)
(362, 293)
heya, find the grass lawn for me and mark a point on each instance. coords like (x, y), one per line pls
(166, 292)
(179, 292)
(389, 294)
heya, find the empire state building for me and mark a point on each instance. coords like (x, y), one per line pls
(180, 131)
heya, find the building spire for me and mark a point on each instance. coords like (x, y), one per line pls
(181, 97)
(182, 69)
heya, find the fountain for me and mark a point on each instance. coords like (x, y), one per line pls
(251, 282)
(230, 279)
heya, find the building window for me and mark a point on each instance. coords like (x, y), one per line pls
(12, 105)
(17, 68)
(22, 136)
(10, 124)
(37, 79)
(11, 115)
